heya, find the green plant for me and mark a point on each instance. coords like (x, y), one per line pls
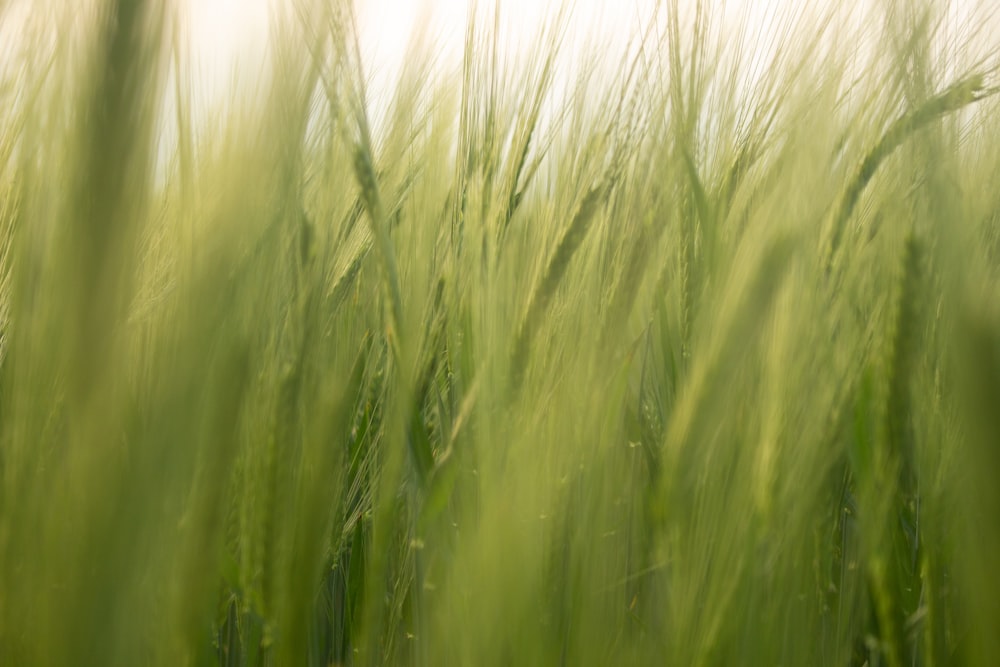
(693, 363)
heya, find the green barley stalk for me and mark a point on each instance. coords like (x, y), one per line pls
(955, 98)
(892, 467)
(546, 289)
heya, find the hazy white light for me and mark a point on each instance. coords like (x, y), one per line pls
(228, 34)
(224, 36)
(228, 37)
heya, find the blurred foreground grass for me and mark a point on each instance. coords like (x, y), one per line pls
(698, 363)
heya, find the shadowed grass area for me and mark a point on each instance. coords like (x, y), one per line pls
(688, 353)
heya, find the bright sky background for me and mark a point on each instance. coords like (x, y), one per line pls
(228, 37)
(227, 32)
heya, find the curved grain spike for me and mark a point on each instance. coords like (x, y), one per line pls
(953, 99)
(546, 289)
(365, 174)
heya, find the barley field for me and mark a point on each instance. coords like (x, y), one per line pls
(679, 352)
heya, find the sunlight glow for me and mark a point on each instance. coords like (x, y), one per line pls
(228, 34)
(228, 37)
